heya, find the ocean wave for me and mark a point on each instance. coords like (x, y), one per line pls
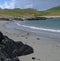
(37, 28)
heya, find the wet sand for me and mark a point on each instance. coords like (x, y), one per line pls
(45, 49)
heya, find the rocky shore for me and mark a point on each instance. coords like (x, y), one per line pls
(28, 18)
(22, 19)
(36, 18)
(11, 19)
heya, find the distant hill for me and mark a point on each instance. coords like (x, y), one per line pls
(55, 11)
(29, 12)
(18, 12)
(57, 8)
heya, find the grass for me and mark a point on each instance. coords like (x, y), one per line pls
(55, 11)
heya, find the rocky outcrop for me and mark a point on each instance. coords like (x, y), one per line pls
(7, 19)
(19, 19)
(10, 50)
(37, 18)
(11, 19)
(22, 19)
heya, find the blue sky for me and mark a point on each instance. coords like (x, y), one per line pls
(37, 4)
(10, 4)
(2, 1)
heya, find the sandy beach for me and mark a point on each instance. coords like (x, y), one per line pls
(51, 16)
(45, 49)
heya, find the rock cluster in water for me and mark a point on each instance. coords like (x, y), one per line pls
(10, 50)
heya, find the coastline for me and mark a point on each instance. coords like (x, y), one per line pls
(27, 18)
(41, 31)
(45, 49)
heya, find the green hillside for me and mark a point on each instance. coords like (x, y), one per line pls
(18, 12)
(55, 11)
(57, 8)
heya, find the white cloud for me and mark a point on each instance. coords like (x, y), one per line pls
(8, 5)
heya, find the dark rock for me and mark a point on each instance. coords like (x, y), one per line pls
(27, 33)
(16, 48)
(18, 19)
(37, 18)
(4, 56)
(1, 37)
(28, 50)
(9, 46)
(38, 38)
(33, 58)
(9, 49)
(18, 44)
(24, 50)
(5, 19)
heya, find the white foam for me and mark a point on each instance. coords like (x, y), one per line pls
(37, 28)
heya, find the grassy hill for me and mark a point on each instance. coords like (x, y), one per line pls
(57, 8)
(55, 11)
(18, 12)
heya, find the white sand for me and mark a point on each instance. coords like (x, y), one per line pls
(51, 16)
(45, 49)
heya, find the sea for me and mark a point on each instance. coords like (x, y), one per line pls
(48, 28)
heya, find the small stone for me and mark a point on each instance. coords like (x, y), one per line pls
(27, 33)
(38, 38)
(33, 58)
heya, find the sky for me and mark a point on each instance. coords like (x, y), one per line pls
(36, 4)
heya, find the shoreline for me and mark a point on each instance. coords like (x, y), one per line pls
(45, 49)
(48, 33)
(28, 18)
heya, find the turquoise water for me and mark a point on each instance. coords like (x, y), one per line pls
(49, 23)
(52, 25)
